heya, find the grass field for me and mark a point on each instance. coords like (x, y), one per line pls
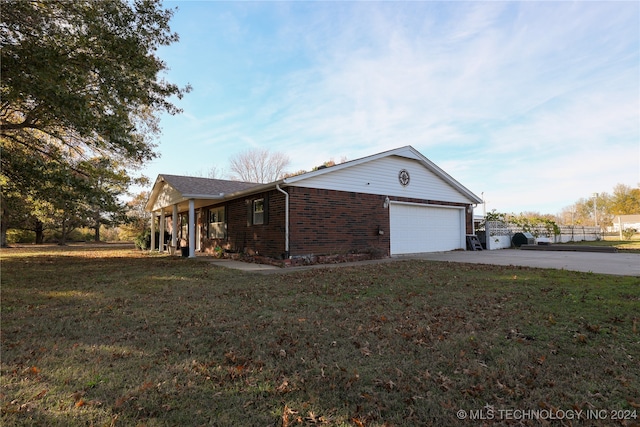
(114, 337)
(629, 246)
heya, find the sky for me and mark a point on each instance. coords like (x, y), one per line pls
(530, 105)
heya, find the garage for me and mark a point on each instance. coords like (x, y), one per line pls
(419, 228)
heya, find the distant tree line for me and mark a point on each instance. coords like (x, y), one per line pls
(603, 207)
(599, 210)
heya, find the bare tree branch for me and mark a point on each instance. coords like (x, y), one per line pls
(258, 165)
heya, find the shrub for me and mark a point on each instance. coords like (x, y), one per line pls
(143, 240)
(20, 236)
(628, 233)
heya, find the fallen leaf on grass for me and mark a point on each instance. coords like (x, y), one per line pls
(592, 328)
(505, 388)
(120, 401)
(285, 415)
(80, 403)
(581, 338)
(313, 418)
(475, 390)
(358, 422)
(41, 394)
(146, 386)
(625, 382)
(283, 388)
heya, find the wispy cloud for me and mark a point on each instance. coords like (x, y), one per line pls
(493, 91)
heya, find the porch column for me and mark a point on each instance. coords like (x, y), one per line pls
(161, 234)
(153, 231)
(174, 226)
(192, 228)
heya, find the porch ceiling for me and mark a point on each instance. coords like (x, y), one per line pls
(183, 206)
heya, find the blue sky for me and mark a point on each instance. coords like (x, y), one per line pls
(534, 104)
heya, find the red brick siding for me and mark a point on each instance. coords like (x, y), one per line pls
(264, 239)
(329, 222)
(321, 222)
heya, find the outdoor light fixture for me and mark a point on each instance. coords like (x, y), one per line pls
(386, 202)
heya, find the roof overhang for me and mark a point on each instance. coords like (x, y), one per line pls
(200, 200)
(175, 197)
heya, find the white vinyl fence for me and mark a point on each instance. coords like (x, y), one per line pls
(499, 234)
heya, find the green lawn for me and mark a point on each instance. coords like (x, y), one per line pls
(115, 337)
(622, 245)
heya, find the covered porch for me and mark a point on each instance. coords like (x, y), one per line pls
(178, 204)
(181, 222)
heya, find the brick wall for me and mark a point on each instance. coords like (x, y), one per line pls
(322, 222)
(331, 222)
(264, 239)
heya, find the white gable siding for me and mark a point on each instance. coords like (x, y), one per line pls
(167, 196)
(381, 177)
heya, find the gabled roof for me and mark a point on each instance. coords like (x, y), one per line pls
(186, 187)
(191, 186)
(627, 218)
(408, 152)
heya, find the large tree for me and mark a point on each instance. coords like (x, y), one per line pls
(80, 79)
(258, 165)
(23, 213)
(137, 217)
(625, 200)
(106, 183)
(603, 206)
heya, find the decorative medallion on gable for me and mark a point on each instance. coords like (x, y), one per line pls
(403, 177)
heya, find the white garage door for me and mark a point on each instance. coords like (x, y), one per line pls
(416, 229)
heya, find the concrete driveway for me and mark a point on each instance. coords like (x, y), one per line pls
(606, 263)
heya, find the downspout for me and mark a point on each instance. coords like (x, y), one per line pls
(473, 220)
(286, 220)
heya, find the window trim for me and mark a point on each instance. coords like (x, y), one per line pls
(257, 216)
(211, 224)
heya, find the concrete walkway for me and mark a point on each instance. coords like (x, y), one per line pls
(621, 264)
(243, 266)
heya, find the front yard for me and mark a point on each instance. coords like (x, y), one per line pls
(108, 337)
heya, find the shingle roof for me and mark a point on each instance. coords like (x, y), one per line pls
(189, 185)
(627, 218)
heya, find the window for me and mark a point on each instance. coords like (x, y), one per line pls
(258, 211)
(184, 226)
(217, 223)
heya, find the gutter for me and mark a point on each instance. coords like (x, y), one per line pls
(286, 220)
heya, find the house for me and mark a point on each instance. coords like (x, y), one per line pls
(390, 203)
(623, 222)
